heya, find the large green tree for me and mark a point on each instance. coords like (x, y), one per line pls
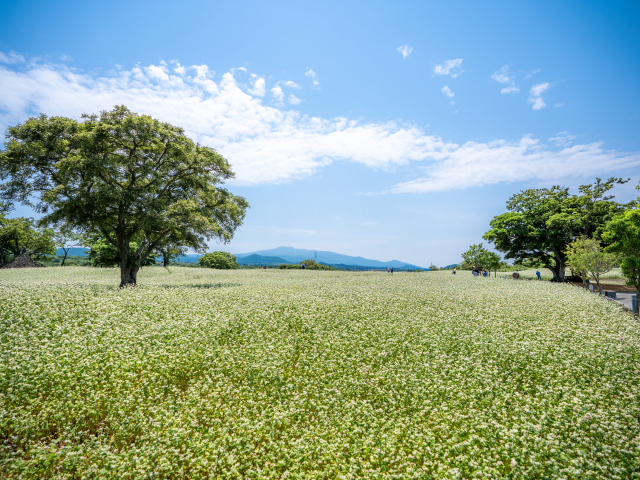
(219, 260)
(121, 175)
(541, 223)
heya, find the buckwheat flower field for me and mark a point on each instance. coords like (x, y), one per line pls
(309, 374)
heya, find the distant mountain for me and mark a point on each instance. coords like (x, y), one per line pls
(255, 259)
(297, 255)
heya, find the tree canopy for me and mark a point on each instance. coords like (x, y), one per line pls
(541, 223)
(121, 175)
(21, 236)
(219, 260)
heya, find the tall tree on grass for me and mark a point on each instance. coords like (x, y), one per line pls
(541, 223)
(474, 257)
(121, 175)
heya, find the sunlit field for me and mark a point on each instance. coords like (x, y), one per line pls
(308, 374)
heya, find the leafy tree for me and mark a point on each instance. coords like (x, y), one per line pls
(121, 175)
(541, 223)
(475, 256)
(170, 253)
(21, 236)
(585, 255)
(313, 265)
(491, 261)
(65, 238)
(623, 235)
(433, 268)
(219, 260)
(105, 254)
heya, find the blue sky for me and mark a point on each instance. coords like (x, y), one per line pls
(390, 130)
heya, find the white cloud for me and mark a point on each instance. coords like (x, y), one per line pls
(501, 76)
(531, 73)
(563, 139)
(452, 102)
(271, 145)
(405, 50)
(11, 57)
(535, 97)
(278, 94)
(259, 88)
(290, 84)
(447, 91)
(558, 105)
(511, 89)
(293, 100)
(478, 164)
(450, 67)
(314, 78)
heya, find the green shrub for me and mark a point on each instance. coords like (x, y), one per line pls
(219, 260)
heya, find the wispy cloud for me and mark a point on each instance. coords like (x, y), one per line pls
(405, 50)
(314, 78)
(502, 76)
(531, 73)
(293, 100)
(290, 84)
(535, 95)
(11, 57)
(478, 164)
(447, 91)
(563, 139)
(450, 67)
(266, 144)
(558, 105)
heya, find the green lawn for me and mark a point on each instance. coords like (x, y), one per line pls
(308, 374)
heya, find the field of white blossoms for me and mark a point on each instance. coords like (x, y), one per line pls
(308, 374)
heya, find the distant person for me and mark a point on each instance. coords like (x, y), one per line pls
(538, 274)
(391, 269)
(454, 270)
(474, 270)
(388, 270)
(486, 273)
(302, 266)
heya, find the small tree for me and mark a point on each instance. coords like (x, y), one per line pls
(65, 238)
(623, 235)
(475, 256)
(585, 255)
(219, 260)
(121, 175)
(491, 261)
(433, 268)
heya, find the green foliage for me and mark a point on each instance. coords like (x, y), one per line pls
(206, 374)
(104, 254)
(291, 266)
(21, 236)
(541, 223)
(474, 257)
(622, 234)
(121, 175)
(313, 265)
(433, 268)
(586, 258)
(219, 260)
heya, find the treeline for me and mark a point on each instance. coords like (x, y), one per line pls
(587, 233)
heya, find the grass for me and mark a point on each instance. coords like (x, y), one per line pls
(302, 374)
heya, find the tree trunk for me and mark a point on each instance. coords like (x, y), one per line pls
(127, 273)
(65, 256)
(637, 297)
(558, 268)
(165, 260)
